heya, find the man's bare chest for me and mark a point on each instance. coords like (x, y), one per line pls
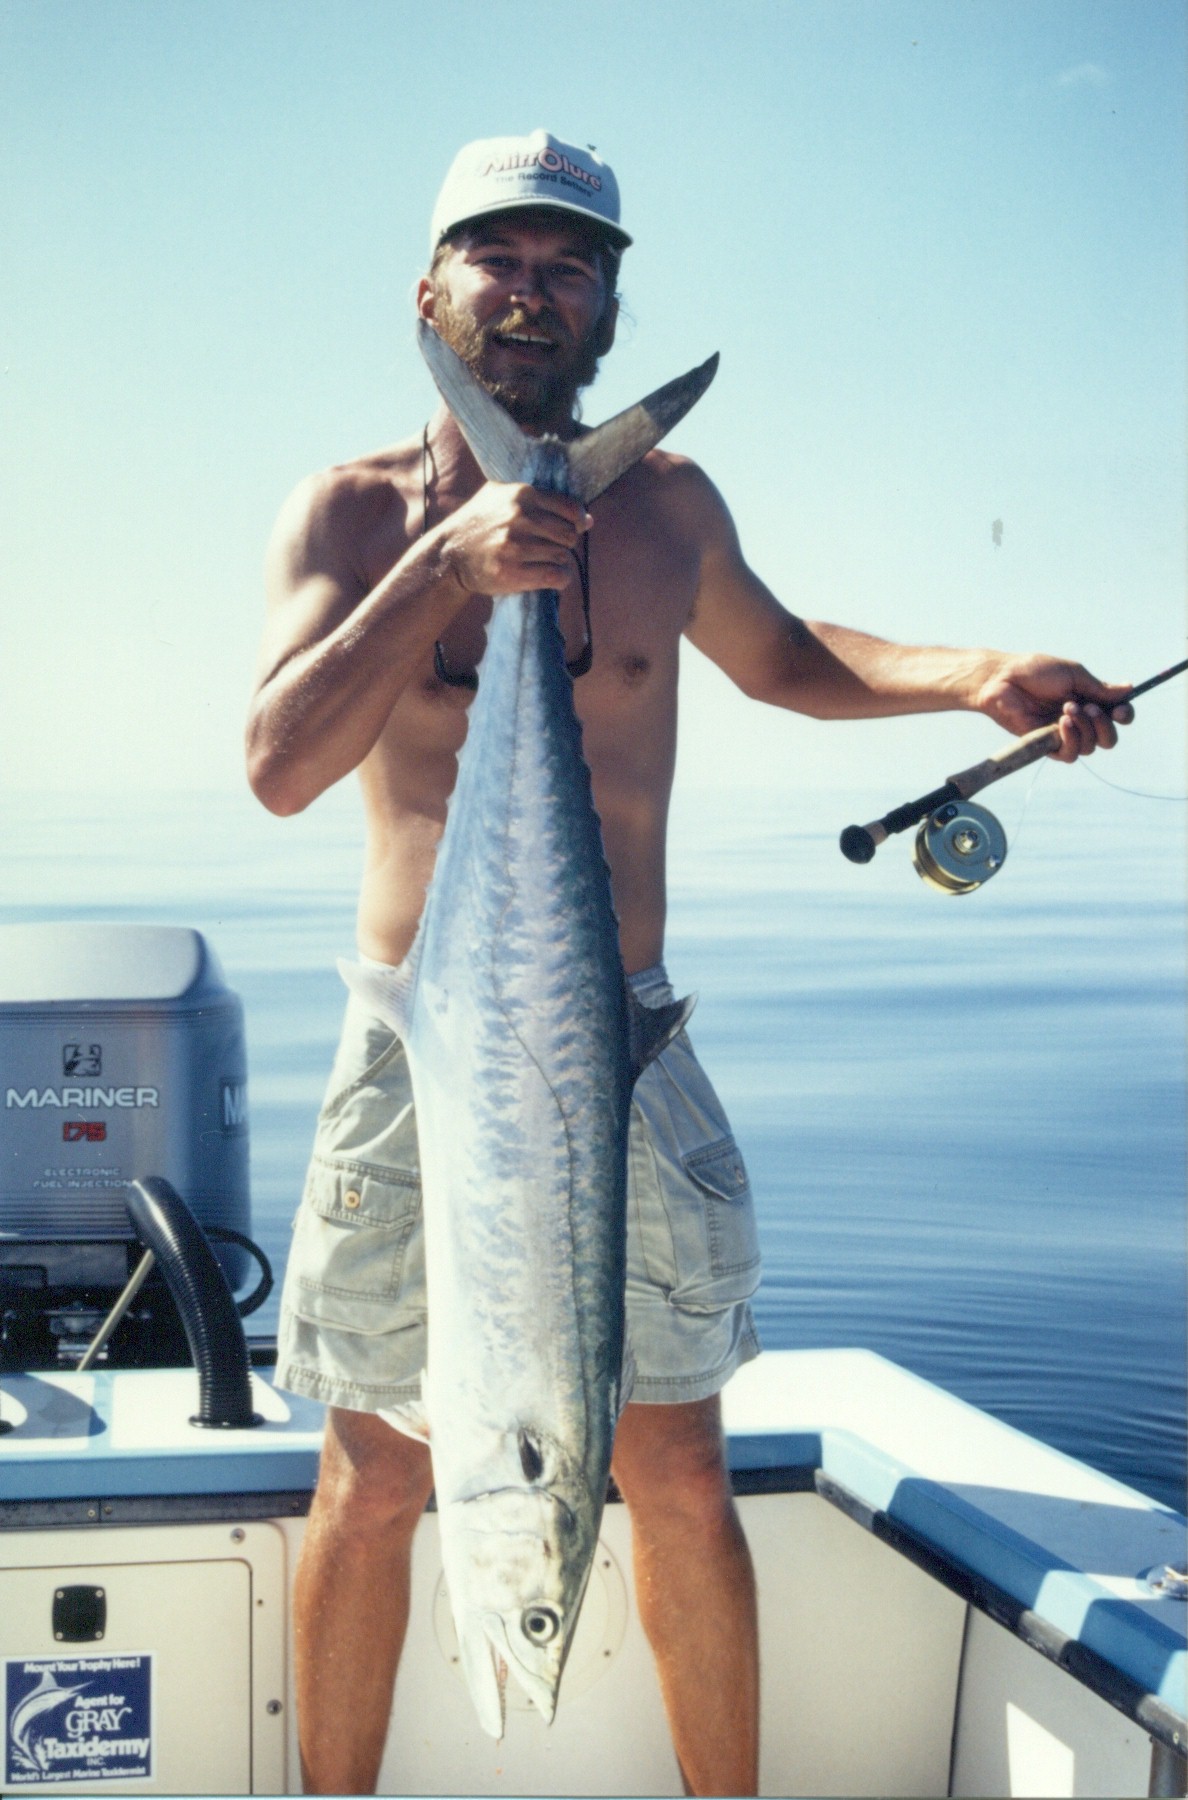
(627, 598)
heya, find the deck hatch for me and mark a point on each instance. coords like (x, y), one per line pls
(79, 1614)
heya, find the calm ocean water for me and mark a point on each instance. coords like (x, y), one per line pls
(964, 1118)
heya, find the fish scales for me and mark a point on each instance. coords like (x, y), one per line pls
(515, 1025)
(523, 1044)
(547, 1074)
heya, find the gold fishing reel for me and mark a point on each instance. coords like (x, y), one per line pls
(959, 847)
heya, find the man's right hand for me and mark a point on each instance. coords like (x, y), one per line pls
(510, 538)
(338, 654)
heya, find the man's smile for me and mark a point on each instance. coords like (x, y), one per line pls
(526, 342)
(532, 347)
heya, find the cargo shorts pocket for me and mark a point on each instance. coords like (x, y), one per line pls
(689, 1195)
(358, 1256)
(369, 1088)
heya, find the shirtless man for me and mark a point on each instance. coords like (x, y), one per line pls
(379, 581)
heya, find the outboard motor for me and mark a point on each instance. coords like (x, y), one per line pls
(122, 1058)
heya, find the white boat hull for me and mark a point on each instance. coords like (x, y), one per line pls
(911, 1556)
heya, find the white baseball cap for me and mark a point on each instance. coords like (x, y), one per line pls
(505, 173)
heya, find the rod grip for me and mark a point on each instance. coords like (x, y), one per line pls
(1017, 755)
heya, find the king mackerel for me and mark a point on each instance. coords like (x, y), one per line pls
(524, 1042)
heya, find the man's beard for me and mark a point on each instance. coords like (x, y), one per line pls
(536, 398)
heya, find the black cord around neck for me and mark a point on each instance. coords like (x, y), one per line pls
(468, 678)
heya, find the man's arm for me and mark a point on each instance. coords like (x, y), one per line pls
(833, 672)
(337, 656)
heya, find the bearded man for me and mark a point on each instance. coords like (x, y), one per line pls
(380, 577)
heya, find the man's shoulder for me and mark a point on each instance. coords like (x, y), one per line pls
(351, 499)
(677, 474)
(677, 490)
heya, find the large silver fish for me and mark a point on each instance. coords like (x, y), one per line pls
(523, 1043)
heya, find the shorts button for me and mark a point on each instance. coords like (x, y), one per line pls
(352, 1199)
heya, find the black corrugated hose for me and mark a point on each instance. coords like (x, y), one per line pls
(166, 1226)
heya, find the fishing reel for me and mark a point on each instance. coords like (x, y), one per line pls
(959, 847)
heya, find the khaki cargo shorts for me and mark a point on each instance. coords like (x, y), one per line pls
(352, 1329)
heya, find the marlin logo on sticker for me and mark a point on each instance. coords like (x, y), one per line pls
(77, 1718)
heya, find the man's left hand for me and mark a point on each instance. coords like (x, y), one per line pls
(1026, 691)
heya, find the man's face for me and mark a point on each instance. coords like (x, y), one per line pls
(523, 299)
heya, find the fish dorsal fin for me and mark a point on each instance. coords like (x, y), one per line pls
(500, 448)
(388, 993)
(652, 1028)
(597, 459)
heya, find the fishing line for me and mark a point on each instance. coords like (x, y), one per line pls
(1138, 793)
(1031, 787)
(1041, 769)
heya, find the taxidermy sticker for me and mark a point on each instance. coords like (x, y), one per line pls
(77, 1718)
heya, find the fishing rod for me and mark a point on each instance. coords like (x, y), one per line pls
(959, 846)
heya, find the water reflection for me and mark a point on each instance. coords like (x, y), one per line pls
(964, 1118)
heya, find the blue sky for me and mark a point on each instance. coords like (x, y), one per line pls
(939, 246)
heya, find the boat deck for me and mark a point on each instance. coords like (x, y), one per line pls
(947, 1606)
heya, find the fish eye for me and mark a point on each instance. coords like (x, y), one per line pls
(540, 1624)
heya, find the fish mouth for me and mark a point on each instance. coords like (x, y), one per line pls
(485, 1669)
(487, 1659)
(513, 1561)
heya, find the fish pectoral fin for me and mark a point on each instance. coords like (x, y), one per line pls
(501, 450)
(388, 992)
(652, 1028)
